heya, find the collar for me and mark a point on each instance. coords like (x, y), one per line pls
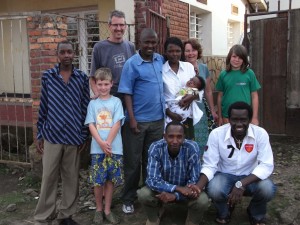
(167, 67)
(74, 70)
(249, 133)
(140, 60)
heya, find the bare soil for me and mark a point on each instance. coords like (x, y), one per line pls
(283, 210)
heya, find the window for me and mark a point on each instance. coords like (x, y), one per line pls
(234, 30)
(196, 26)
(234, 10)
(229, 35)
(83, 31)
(14, 61)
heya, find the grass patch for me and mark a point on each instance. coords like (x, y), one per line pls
(31, 181)
(13, 197)
(24, 204)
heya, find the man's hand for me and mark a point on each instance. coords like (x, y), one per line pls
(82, 146)
(166, 197)
(186, 191)
(196, 191)
(235, 196)
(134, 126)
(40, 146)
(95, 96)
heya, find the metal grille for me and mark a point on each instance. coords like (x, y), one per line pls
(16, 112)
(15, 101)
(196, 27)
(84, 31)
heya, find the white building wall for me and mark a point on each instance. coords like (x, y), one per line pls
(215, 17)
(128, 8)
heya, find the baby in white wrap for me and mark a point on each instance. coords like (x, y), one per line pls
(194, 86)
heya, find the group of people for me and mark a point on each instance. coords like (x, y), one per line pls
(152, 117)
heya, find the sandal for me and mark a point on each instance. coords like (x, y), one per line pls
(254, 221)
(222, 221)
(227, 219)
(112, 218)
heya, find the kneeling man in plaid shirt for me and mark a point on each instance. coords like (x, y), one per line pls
(173, 165)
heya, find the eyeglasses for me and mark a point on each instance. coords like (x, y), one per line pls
(118, 25)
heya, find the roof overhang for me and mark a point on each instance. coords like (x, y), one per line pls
(257, 6)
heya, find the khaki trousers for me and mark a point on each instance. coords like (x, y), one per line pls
(151, 204)
(63, 160)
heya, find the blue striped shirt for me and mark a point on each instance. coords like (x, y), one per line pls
(63, 107)
(165, 172)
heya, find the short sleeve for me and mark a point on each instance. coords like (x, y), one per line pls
(127, 79)
(119, 112)
(90, 116)
(254, 84)
(219, 85)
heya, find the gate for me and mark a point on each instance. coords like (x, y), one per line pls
(275, 60)
(158, 23)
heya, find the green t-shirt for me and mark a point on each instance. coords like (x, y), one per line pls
(236, 86)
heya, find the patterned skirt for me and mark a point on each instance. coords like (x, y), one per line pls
(204, 126)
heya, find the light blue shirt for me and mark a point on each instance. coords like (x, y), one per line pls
(143, 80)
(104, 114)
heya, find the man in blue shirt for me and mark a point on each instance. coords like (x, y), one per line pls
(173, 165)
(61, 134)
(142, 85)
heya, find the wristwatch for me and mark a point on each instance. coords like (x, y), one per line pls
(239, 185)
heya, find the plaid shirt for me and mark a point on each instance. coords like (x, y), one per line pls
(165, 172)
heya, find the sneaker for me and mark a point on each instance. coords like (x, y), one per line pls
(112, 218)
(157, 222)
(98, 218)
(128, 208)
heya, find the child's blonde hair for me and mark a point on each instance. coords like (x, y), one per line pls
(103, 74)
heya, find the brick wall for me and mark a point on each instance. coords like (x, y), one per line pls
(178, 12)
(44, 32)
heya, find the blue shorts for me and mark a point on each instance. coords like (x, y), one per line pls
(104, 168)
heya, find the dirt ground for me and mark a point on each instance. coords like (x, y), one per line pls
(283, 210)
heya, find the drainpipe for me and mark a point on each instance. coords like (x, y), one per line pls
(246, 41)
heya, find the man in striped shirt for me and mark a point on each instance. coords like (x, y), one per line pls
(173, 165)
(61, 135)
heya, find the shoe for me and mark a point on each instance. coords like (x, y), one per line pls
(222, 220)
(112, 218)
(153, 223)
(227, 219)
(254, 221)
(98, 218)
(128, 208)
(68, 221)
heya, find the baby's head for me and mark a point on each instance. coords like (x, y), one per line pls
(196, 82)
